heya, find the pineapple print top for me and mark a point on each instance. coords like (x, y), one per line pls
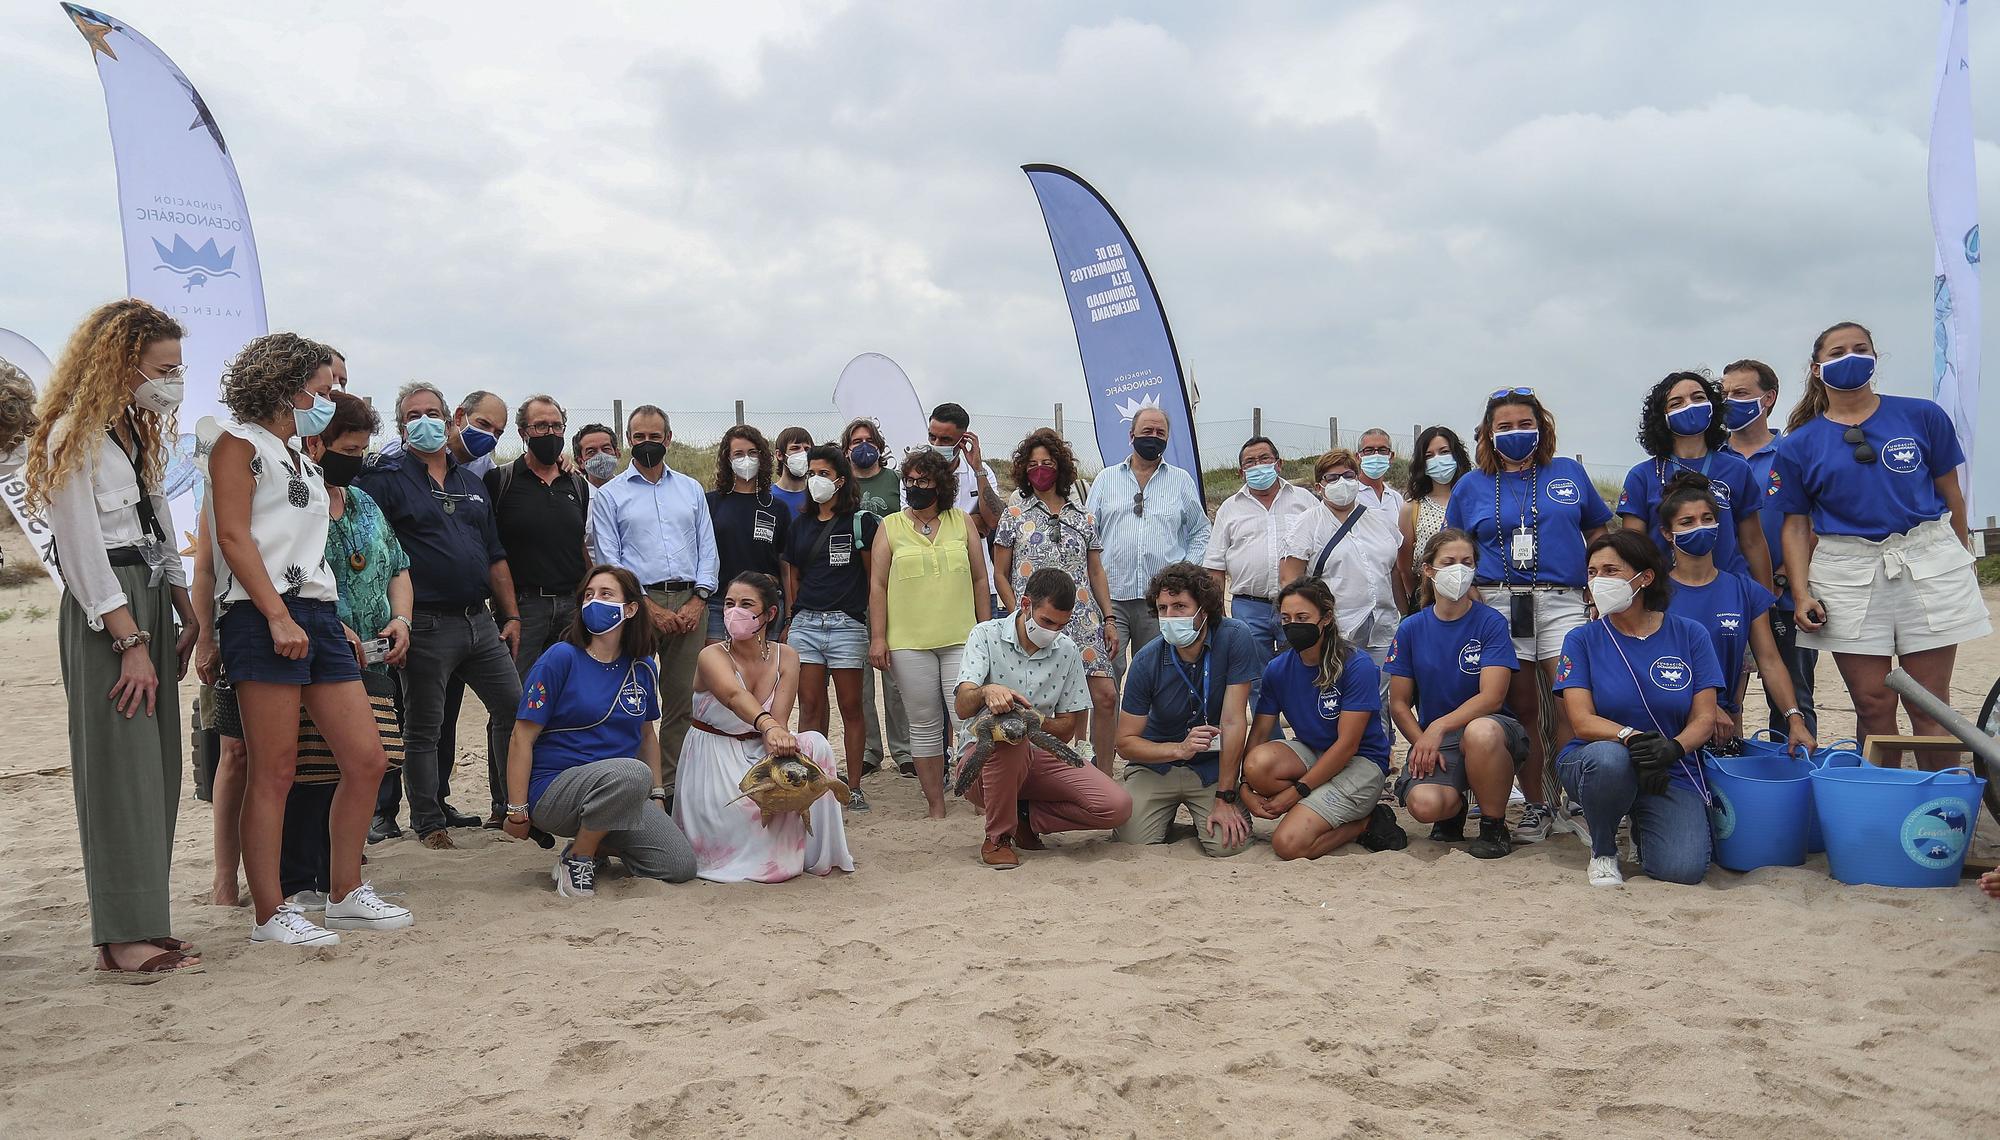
(288, 518)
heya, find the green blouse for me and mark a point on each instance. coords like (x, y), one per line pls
(361, 547)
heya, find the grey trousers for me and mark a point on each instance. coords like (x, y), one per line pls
(677, 662)
(545, 620)
(610, 796)
(441, 646)
(127, 773)
(898, 742)
(1136, 627)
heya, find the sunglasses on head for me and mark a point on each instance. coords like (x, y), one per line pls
(1498, 393)
(1863, 452)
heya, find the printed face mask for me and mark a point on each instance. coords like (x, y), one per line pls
(795, 464)
(477, 440)
(160, 396)
(821, 488)
(1738, 413)
(1262, 477)
(1375, 466)
(1611, 595)
(1692, 419)
(744, 467)
(601, 466)
(1518, 445)
(424, 434)
(600, 616)
(1442, 469)
(1848, 372)
(1452, 582)
(1700, 541)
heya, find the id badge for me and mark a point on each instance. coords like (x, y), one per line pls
(764, 527)
(840, 550)
(1523, 552)
(156, 554)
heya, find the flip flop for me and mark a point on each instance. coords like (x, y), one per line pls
(153, 969)
(171, 943)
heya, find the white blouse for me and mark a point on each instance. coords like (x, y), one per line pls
(94, 510)
(288, 522)
(1358, 571)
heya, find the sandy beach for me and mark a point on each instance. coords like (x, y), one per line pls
(1098, 991)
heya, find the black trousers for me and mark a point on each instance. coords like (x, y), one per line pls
(390, 798)
(307, 853)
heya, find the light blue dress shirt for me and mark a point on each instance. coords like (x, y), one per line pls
(660, 531)
(1174, 527)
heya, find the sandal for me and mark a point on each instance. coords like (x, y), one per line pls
(171, 943)
(160, 965)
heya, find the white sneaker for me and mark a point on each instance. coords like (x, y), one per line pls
(308, 900)
(1604, 871)
(363, 909)
(575, 877)
(290, 927)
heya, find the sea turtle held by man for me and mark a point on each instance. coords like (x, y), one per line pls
(782, 784)
(1010, 727)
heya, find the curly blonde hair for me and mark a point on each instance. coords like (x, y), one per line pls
(17, 406)
(92, 388)
(270, 370)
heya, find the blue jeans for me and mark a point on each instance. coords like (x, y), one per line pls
(1801, 663)
(1262, 618)
(1671, 829)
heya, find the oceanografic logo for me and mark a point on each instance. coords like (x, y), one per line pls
(196, 266)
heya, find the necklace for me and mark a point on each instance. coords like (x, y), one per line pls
(925, 527)
(357, 560)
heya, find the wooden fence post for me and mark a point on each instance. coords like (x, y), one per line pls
(1333, 432)
(1256, 421)
(1059, 419)
(739, 413)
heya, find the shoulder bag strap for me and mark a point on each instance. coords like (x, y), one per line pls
(1327, 550)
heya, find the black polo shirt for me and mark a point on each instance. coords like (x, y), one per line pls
(541, 525)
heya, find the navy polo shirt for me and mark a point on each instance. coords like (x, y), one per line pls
(450, 550)
(1175, 695)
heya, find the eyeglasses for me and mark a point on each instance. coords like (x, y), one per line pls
(1499, 392)
(449, 501)
(1863, 452)
(534, 430)
(170, 372)
(1139, 505)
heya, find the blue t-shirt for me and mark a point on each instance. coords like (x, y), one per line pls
(1729, 480)
(1291, 687)
(588, 710)
(1727, 607)
(1656, 693)
(1559, 502)
(1914, 444)
(1163, 688)
(1445, 658)
(794, 501)
(1763, 465)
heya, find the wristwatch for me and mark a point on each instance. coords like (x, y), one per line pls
(1227, 795)
(1794, 712)
(1627, 733)
(1302, 788)
(703, 592)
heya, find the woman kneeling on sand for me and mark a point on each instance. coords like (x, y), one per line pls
(585, 760)
(1324, 788)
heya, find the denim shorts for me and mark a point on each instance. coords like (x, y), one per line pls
(716, 630)
(829, 638)
(247, 655)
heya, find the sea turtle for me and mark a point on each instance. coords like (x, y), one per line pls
(1011, 727)
(781, 784)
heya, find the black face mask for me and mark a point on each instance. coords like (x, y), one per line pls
(1148, 447)
(339, 469)
(651, 453)
(1303, 635)
(920, 498)
(545, 448)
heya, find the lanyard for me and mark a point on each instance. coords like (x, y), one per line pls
(149, 522)
(1694, 771)
(1186, 675)
(1531, 508)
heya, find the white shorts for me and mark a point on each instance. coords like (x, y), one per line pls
(1557, 611)
(1905, 594)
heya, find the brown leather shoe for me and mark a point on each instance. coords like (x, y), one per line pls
(1024, 835)
(439, 841)
(999, 856)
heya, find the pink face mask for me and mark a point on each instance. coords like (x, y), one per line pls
(741, 623)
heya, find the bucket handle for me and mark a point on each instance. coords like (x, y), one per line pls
(1961, 770)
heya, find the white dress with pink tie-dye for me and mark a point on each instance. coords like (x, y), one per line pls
(731, 845)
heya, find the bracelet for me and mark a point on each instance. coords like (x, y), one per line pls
(401, 618)
(517, 809)
(1794, 712)
(659, 794)
(761, 716)
(120, 645)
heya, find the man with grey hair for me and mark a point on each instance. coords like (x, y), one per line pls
(472, 432)
(654, 522)
(444, 519)
(541, 510)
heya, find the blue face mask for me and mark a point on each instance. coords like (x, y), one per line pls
(1179, 632)
(1699, 542)
(1848, 372)
(312, 421)
(1692, 419)
(1262, 477)
(865, 455)
(600, 616)
(1441, 468)
(1518, 445)
(477, 441)
(1374, 466)
(1738, 414)
(425, 434)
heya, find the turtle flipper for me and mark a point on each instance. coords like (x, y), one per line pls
(1056, 748)
(805, 817)
(968, 769)
(766, 786)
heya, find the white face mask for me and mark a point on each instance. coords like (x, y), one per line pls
(160, 396)
(745, 467)
(1452, 582)
(1341, 492)
(821, 488)
(1612, 595)
(1040, 635)
(796, 464)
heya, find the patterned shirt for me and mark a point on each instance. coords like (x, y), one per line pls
(362, 535)
(1051, 679)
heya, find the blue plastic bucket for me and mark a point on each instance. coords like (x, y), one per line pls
(1758, 816)
(1894, 827)
(1840, 754)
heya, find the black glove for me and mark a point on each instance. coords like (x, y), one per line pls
(1654, 755)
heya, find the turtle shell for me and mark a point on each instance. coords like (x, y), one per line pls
(784, 783)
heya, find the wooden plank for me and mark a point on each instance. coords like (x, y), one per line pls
(1933, 745)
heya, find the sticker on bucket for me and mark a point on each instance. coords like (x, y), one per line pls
(1935, 834)
(1722, 814)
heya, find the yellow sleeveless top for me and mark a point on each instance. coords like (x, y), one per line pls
(930, 582)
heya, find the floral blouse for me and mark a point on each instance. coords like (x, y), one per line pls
(1064, 541)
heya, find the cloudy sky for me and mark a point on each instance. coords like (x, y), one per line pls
(1377, 211)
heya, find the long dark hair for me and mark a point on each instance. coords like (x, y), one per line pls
(635, 637)
(1813, 403)
(1684, 488)
(1421, 484)
(725, 479)
(1334, 649)
(847, 499)
(1654, 434)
